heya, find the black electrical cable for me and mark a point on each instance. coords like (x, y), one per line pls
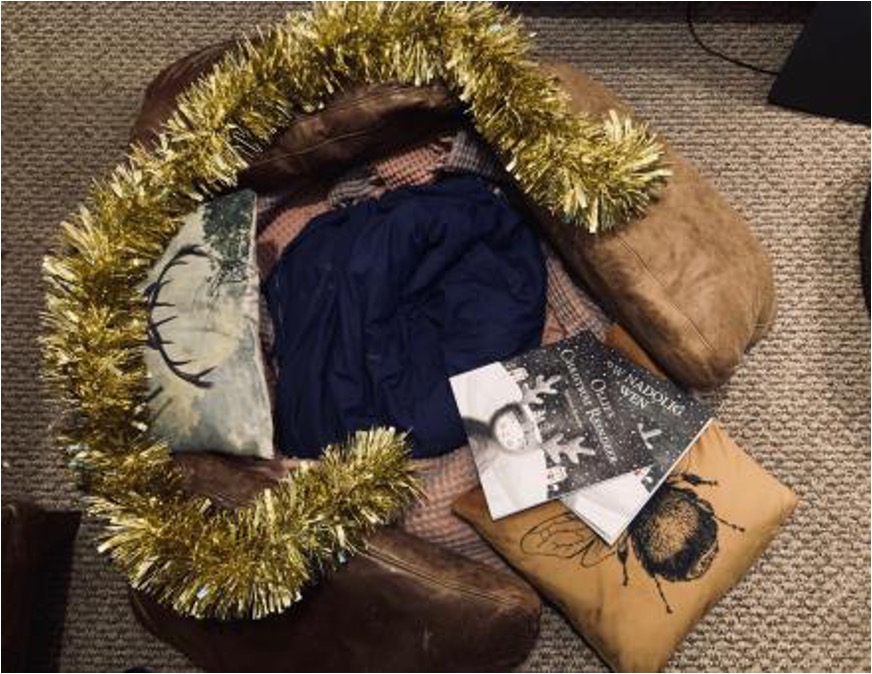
(714, 52)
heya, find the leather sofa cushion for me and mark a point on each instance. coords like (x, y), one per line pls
(356, 123)
(400, 605)
(688, 279)
(635, 601)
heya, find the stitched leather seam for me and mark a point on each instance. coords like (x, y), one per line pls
(334, 139)
(669, 300)
(464, 589)
(762, 327)
(311, 148)
(392, 90)
(375, 127)
(756, 305)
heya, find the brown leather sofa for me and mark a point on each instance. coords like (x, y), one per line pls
(688, 280)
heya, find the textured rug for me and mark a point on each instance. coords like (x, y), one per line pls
(72, 76)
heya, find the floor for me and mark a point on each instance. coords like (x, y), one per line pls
(72, 77)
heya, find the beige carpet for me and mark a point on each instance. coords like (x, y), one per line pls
(72, 77)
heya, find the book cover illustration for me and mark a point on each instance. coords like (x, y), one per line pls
(573, 414)
(609, 507)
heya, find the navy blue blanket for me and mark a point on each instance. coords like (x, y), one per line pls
(377, 304)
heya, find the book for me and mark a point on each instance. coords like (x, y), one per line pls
(609, 507)
(574, 420)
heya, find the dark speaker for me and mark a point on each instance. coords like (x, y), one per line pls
(827, 73)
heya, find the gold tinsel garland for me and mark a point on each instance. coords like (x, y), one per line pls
(188, 553)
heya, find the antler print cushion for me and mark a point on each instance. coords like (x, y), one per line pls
(208, 390)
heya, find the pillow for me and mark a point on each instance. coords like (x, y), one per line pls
(207, 383)
(399, 605)
(635, 601)
(688, 279)
(356, 122)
